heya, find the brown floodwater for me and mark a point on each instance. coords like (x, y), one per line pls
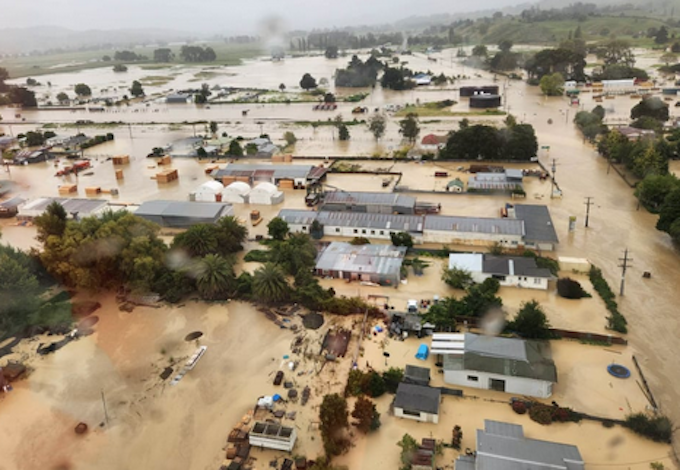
(616, 221)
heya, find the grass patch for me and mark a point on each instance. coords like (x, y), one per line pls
(156, 80)
(257, 256)
(424, 111)
(330, 122)
(615, 321)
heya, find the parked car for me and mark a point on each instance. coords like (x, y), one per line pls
(279, 378)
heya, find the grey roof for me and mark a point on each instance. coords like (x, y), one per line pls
(418, 373)
(498, 450)
(373, 259)
(513, 266)
(13, 202)
(369, 198)
(279, 171)
(393, 222)
(474, 224)
(83, 207)
(298, 216)
(465, 462)
(504, 356)
(503, 429)
(418, 398)
(184, 209)
(537, 223)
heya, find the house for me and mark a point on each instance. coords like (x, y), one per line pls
(539, 231)
(416, 375)
(182, 214)
(504, 446)
(514, 271)
(633, 133)
(423, 457)
(6, 142)
(455, 186)
(177, 98)
(405, 324)
(266, 194)
(433, 143)
(508, 365)
(75, 207)
(237, 192)
(477, 90)
(269, 435)
(508, 180)
(282, 175)
(265, 147)
(210, 191)
(382, 203)
(422, 79)
(10, 207)
(380, 264)
(417, 402)
(26, 157)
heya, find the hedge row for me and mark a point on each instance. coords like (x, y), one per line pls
(615, 321)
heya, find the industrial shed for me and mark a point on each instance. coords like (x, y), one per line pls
(485, 101)
(381, 203)
(380, 264)
(284, 176)
(210, 191)
(476, 90)
(182, 214)
(538, 225)
(237, 192)
(477, 231)
(266, 194)
(75, 207)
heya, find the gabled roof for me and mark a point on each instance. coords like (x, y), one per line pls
(369, 198)
(513, 266)
(418, 398)
(537, 223)
(373, 259)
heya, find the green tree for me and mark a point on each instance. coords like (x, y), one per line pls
(343, 132)
(409, 127)
(308, 82)
(333, 415)
(531, 321)
(282, 87)
(120, 68)
(480, 51)
(669, 58)
(652, 190)
(505, 45)
(137, 90)
(198, 240)
(52, 222)
(617, 52)
(235, 149)
(270, 285)
(331, 52)
(457, 278)
(480, 298)
(552, 85)
(377, 125)
(661, 36)
(215, 277)
(278, 228)
(599, 111)
(409, 446)
(213, 127)
(82, 89)
(163, 55)
(392, 378)
(290, 138)
(19, 290)
(367, 416)
(653, 107)
(402, 239)
(295, 253)
(230, 234)
(63, 98)
(669, 212)
(23, 97)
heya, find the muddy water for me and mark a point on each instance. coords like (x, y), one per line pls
(649, 304)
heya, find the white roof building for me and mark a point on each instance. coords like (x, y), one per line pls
(207, 192)
(266, 194)
(236, 193)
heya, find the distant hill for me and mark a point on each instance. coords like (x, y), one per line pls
(52, 38)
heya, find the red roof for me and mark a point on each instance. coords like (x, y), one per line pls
(430, 139)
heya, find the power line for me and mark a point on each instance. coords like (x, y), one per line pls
(588, 204)
(624, 265)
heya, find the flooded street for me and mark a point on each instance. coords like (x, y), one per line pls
(616, 223)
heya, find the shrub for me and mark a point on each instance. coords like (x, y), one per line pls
(541, 413)
(519, 407)
(257, 256)
(570, 289)
(615, 321)
(657, 428)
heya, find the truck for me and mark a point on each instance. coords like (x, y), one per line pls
(412, 306)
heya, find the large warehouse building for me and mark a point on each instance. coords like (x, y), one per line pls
(380, 264)
(183, 214)
(371, 202)
(283, 176)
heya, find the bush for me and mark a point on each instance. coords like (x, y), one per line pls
(257, 256)
(541, 413)
(519, 407)
(615, 321)
(570, 289)
(657, 428)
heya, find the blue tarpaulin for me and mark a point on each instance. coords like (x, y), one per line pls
(423, 352)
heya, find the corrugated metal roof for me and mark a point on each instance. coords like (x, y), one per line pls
(393, 222)
(514, 265)
(418, 398)
(366, 259)
(184, 209)
(279, 171)
(474, 224)
(503, 429)
(537, 223)
(369, 198)
(82, 206)
(298, 216)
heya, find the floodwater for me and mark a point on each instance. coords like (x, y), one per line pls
(616, 222)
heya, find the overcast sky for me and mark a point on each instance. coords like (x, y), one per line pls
(222, 16)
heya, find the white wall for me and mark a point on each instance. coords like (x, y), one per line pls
(470, 238)
(423, 418)
(278, 444)
(526, 282)
(514, 385)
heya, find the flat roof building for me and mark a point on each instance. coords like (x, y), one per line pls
(370, 202)
(504, 446)
(380, 264)
(183, 214)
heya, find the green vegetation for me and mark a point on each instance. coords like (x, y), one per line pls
(478, 300)
(657, 428)
(408, 448)
(481, 142)
(615, 321)
(570, 289)
(457, 278)
(553, 84)
(642, 157)
(530, 322)
(547, 414)
(409, 127)
(402, 239)
(308, 82)
(590, 124)
(358, 74)
(369, 383)
(377, 125)
(333, 416)
(368, 418)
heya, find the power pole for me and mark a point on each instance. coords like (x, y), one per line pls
(106, 414)
(625, 264)
(554, 170)
(588, 204)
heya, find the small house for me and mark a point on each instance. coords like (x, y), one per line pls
(379, 264)
(272, 436)
(26, 157)
(75, 207)
(370, 202)
(504, 446)
(7, 141)
(266, 194)
(513, 271)
(416, 375)
(455, 186)
(508, 180)
(177, 98)
(633, 133)
(539, 230)
(417, 402)
(432, 143)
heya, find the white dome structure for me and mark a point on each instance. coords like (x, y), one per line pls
(266, 194)
(209, 191)
(236, 193)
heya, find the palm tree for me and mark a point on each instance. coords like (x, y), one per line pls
(230, 235)
(215, 277)
(270, 285)
(199, 240)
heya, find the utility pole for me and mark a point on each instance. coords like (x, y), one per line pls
(106, 413)
(554, 170)
(625, 264)
(588, 204)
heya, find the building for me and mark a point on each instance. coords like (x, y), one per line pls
(503, 446)
(210, 191)
(75, 207)
(283, 176)
(265, 147)
(539, 231)
(380, 264)
(433, 143)
(477, 90)
(272, 436)
(508, 180)
(266, 194)
(416, 375)
(237, 192)
(417, 402)
(633, 133)
(10, 207)
(422, 79)
(494, 363)
(182, 214)
(26, 157)
(476, 231)
(7, 141)
(455, 186)
(177, 98)
(374, 203)
(485, 101)
(513, 271)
